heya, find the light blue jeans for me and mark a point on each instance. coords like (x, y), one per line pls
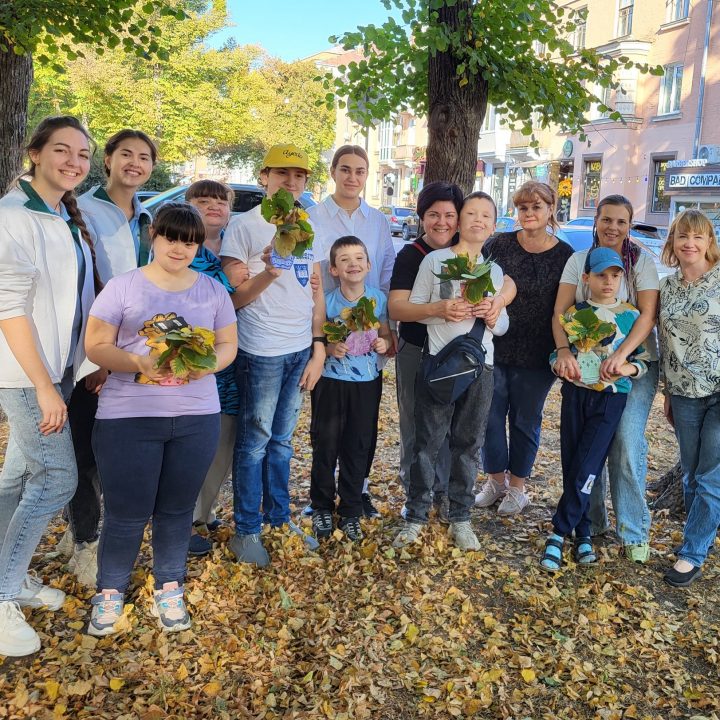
(697, 428)
(627, 467)
(37, 480)
(268, 411)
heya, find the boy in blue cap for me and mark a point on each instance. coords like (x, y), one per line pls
(592, 401)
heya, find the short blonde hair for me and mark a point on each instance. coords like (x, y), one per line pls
(690, 221)
(533, 189)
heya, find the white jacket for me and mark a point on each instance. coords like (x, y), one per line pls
(39, 279)
(110, 232)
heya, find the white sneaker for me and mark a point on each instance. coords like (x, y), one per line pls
(464, 536)
(490, 493)
(408, 535)
(66, 546)
(514, 502)
(17, 638)
(34, 594)
(83, 563)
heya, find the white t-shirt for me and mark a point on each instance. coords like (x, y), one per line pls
(279, 320)
(428, 288)
(331, 222)
(646, 278)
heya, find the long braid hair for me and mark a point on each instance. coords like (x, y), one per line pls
(38, 140)
(630, 252)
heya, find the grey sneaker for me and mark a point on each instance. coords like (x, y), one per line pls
(83, 563)
(310, 542)
(408, 535)
(490, 493)
(351, 527)
(249, 549)
(169, 608)
(514, 502)
(66, 546)
(464, 536)
(107, 609)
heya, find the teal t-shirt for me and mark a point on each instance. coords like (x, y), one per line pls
(354, 368)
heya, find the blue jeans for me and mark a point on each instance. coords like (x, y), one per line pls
(627, 467)
(38, 478)
(519, 396)
(150, 467)
(697, 427)
(269, 407)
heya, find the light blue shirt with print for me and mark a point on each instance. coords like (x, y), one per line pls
(353, 368)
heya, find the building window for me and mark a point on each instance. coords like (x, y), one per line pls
(385, 140)
(625, 97)
(676, 10)
(488, 124)
(670, 89)
(577, 39)
(625, 17)
(539, 48)
(591, 183)
(660, 202)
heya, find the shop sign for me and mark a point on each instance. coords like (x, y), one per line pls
(686, 163)
(693, 180)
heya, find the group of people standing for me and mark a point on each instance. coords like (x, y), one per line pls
(88, 285)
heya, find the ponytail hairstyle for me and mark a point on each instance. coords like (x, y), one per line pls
(112, 145)
(630, 253)
(534, 190)
(40, 137)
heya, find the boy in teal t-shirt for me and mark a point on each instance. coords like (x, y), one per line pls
(346, 399)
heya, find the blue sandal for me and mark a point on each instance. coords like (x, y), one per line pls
(552, 561)
(584, 551)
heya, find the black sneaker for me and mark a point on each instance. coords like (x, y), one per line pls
(351, 527)
(322, 522)
(369, 510)
(199, 546)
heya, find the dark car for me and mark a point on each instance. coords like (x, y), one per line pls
(146, 194)
(403, 221)
(246, 198)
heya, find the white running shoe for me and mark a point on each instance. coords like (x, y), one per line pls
(83, 563)
(490, 493)
(17, 638)
(464, 536)
(34, 594)
(514, 502)
(409, 534)
(66, 546)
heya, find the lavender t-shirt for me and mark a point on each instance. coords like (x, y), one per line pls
(132, 303)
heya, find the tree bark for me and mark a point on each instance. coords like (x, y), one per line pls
(668, 492)
(16, 75)
(455, 113)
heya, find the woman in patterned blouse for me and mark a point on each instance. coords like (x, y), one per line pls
(690, 351)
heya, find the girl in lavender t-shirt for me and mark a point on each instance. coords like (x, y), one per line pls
(154, 438)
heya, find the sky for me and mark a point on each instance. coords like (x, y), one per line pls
(294, 29)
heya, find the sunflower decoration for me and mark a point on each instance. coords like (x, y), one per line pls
(565, 188)
(294, 234)
(178, 347)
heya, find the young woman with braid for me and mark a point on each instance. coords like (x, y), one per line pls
(46, 289)
(627, 461)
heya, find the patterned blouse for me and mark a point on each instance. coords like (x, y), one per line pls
(690, 334)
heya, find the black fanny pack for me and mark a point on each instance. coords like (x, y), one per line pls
(450, 373)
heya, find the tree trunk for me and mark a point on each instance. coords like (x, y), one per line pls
(455, 113)
(16, 75)
(668, 492)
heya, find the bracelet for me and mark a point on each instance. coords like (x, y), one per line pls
(321, 339)
(562, 347)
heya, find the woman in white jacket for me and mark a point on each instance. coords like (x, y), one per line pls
(46, 289)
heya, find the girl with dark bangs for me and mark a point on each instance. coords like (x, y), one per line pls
(155, 435)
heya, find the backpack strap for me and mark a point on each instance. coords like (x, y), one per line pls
(420, 248)
(478, 330)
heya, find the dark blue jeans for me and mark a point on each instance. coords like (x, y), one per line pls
(588, 421)
(464, 422)
(269, 407)
(150, 467)
(518, 396)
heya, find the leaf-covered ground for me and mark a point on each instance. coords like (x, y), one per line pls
(369, 632)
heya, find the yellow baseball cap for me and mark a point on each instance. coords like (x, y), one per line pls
(286, 156)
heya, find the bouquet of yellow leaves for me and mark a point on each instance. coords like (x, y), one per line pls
(294, 234)
(584, 329)
(181, 350)
(357, 327)
(474, 276)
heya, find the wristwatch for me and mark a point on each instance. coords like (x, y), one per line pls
(320, 338)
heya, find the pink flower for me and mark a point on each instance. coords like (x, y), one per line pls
(360, 342)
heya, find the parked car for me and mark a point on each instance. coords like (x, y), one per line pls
(581, 238)
(403, 221)
(580, 222)
(246, 198)
(146, 194)
(505, 224)
(640, 229)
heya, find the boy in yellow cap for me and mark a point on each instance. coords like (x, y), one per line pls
(281, 352)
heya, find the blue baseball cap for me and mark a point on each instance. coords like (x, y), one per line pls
(602, 258)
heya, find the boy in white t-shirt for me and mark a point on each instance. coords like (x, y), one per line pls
(281, 352)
